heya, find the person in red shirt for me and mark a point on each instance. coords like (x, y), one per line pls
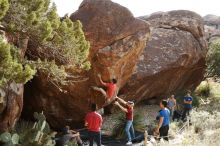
(93, 122)
(111, 91)
(128, 109)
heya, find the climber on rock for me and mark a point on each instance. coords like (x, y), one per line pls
(111, 89)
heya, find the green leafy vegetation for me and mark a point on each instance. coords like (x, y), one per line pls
(213, 60)
(26, 134)
(209, 89)
(196, 100)
(8, 139)
(203, 89)
(11, 69)
(39, 40)
(3, 7)
(211, 102)
(214, 90)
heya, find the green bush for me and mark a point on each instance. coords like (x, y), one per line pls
(11, 69)
(29, 134)
(213, 60)
(119, 127)
(196, 99)
(39, 34)
(4, 5)
(22, 128)
(203, 89)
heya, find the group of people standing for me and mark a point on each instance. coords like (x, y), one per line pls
(167, 110)
(93, 120)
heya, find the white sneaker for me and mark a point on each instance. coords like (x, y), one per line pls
(129, 143)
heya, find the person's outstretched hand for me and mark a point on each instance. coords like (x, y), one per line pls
(99, 75)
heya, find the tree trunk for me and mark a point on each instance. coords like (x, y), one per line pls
(12, 105)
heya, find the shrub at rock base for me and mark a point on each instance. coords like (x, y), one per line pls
(203, 89)
(26, 134)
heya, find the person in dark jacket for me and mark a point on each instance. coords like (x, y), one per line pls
(68, 135)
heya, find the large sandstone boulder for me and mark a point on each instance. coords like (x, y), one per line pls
(117, 40)
(174, 58)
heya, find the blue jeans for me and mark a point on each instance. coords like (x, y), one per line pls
(129, 129)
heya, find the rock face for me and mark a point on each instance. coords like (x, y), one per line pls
(117, 40)
(11, 104)
(212, 27)
(211, 20)
(174, 58)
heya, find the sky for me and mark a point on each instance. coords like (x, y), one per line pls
(146, 7)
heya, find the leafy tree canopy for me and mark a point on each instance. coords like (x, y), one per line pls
(41, 40)
(213, 60)
(10, 68)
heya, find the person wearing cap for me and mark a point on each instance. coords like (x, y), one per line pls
(128, 108)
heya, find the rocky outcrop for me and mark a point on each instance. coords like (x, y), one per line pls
(11, 105)
(211, 20)
(212, 27)
(174, 58)
(117, 40)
